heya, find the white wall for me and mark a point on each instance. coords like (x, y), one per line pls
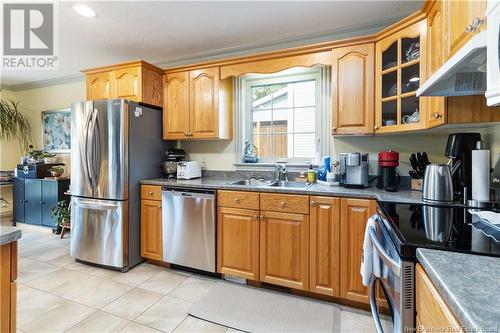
(220, 155)
(32, 102)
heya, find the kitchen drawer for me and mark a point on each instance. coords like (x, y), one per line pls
(238, 199)
(284, 203)
(151, 192)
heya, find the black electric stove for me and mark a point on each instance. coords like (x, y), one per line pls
(452, 228)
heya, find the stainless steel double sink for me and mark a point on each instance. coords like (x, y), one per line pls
(270, 183)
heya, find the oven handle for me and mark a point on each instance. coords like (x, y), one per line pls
(373, 303)
(391, 263)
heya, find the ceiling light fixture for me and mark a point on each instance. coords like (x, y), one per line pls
(414, 79)
(84, 10)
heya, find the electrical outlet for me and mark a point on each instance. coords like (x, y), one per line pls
(204, 163)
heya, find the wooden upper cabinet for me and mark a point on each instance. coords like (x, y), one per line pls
(137, 81)
(460, 14)
(151, 230)
(127, 83)
(204, 102)
(353, 89)
(354, 215)
(238, 242)
(400, 64)
(284, 249)
(325, 246)
(436, 57)
(198, 105)
(176, 106)
(99, 86)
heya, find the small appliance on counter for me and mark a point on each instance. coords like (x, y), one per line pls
(437, 185)
(354, 170)
(173, 156)
(388, 179)
(459, 149)
(188, 170)
(495, 180)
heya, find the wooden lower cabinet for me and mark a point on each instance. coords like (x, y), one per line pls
(355, 214)
(151, 229)
(238, 242)
(8, 287)
(284, 249)
(433, 315)
(324, 239)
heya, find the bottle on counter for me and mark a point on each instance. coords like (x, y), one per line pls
(311, 174)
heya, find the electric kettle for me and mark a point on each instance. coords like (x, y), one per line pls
(438, 184)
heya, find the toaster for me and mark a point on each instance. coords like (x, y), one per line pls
(188, 170)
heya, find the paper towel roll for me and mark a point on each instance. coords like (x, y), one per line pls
(481, 175)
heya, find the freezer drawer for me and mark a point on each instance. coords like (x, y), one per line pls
(99, 231)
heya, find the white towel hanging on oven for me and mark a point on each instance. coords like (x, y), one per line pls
(370, 261)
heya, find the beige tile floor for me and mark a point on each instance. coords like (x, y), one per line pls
(57, 294)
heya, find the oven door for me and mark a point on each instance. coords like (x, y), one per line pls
(396, 282)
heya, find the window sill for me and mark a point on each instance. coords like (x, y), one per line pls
(294, 167)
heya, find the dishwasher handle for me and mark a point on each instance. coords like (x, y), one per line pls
(210, 195)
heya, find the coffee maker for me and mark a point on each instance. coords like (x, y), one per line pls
(388, 179)
(459, 149)
(354, 170)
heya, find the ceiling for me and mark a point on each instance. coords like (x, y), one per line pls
(174, 32)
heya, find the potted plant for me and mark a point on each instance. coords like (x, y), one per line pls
(62, 214)
(56, 171)
(37, 156)
(14, 125)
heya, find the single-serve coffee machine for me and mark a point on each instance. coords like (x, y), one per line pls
(354, 170)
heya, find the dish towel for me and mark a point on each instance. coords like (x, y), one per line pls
(370, 261)
(491, 217)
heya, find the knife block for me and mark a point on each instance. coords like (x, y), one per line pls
(416, 184)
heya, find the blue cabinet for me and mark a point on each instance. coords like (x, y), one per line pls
(35, 198)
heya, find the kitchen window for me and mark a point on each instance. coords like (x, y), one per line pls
(283, 114)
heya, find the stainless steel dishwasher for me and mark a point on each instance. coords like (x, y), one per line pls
(188, 231)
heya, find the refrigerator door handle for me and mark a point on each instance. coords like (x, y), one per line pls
(87, 147)
(96, 150)
(93, 205)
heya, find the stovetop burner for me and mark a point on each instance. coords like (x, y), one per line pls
(451, 228)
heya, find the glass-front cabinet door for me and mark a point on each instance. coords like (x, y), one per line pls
(399, 69)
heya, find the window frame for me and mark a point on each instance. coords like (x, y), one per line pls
(322, 110)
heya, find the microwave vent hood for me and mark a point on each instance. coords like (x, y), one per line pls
(463, 74)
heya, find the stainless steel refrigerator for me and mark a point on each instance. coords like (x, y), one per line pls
(114, 144)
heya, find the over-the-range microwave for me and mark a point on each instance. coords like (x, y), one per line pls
(493, 55)
(475, 68)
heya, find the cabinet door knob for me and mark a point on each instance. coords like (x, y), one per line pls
(437, 115)
(255, 217)
(313, 203)
(474, 25)
(375, 127)
(282, 204)
(159, 206)
(150, 192)
(261, 217)
(185, 134)
(334, 128)
(236, 200)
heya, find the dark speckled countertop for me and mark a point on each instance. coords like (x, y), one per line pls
(469, 284)
(404, 196)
